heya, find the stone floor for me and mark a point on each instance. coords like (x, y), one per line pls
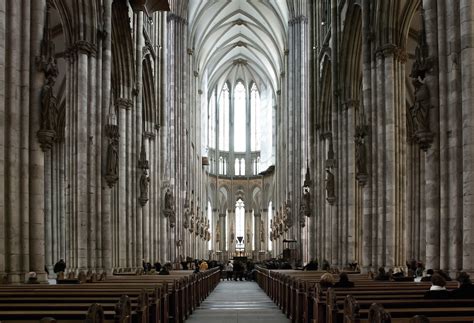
(238, 302)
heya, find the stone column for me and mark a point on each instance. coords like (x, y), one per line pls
(140, 211)
(450, 37)
(2, 138)
(467, 73)
(36, 157)
(223, 242)
(124, 106)
(256, 231)
(432, 160)
(14, 227)
(106, 200)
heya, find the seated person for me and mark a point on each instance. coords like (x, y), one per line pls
(312, 265)
(438, 288)
(465, 287)
(397, 272)
(32, 279)
(382, 275)
(164, 271)
(427, 278)
(419, 269)
(344, 281)
(327, 280)
(444, 274)
(203, 266)
(60, 266)
(157, 266)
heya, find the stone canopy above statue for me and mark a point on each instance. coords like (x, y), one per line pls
(150, 5)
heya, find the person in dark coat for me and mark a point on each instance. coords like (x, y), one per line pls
(427, 278)
(438, 288)
(465, 287)
(344, 281)
(382, 275)
(312, 265)
(60, 266)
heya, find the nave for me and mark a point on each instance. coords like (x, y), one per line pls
(238, 302)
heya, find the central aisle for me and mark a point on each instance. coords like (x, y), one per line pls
(237, 302)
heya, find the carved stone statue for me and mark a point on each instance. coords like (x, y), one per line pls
(232, 233)
(49, 109)
(169, 208)
(169, 200)
(112, 158)
(262, 231)
(249, 235)
(307, 203)
(187, 213)
(302, 214)
(191, 226)
(288, 215)
(218, 232)
(330, 187)
(420, 110)
(172, 219)
(360, 155)
(144, 181)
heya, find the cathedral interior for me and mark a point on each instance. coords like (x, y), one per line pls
(337, 130)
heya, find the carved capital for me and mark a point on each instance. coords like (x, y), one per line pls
(178, 19)
(124, 103)
(386, 50)
(81, 47)
(401, 55)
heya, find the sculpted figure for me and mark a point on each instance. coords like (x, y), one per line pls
(360, 155)
(48, 105)
(168, 200)
(420, 110)
(330, 184)
(144, 180)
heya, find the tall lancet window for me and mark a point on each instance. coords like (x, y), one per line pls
(212, 121)
(211, 228)
(240, 135)
(255, 118)
(224, 102)
(240, 223)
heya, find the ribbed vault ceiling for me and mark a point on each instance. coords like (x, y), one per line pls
(239, 39)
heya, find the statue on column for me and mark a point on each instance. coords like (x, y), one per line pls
(49, 110)
(169, 208)
(262, 231)
(232, 233)
(144, 181)
(288, 214)
(302, 214)
(187, 212)
(249, 235)
(420, 110)
(361, 154)
(111, 167)
(330, 187)
(218, 231)
(191, 224)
